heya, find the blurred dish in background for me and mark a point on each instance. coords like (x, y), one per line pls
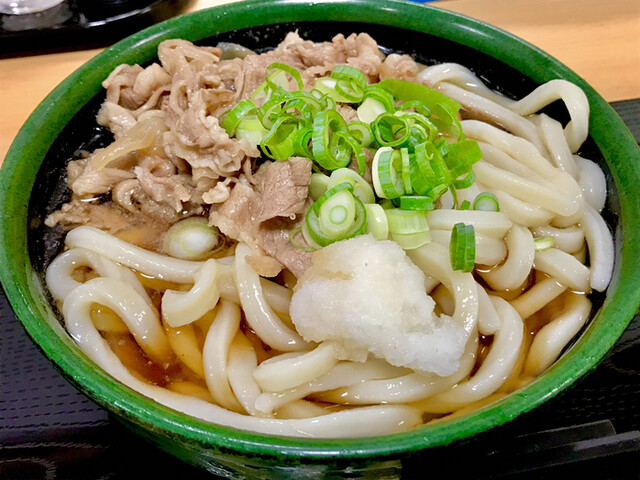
(30, 27)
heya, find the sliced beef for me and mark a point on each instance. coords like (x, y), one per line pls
(102, 216)
(279, 193)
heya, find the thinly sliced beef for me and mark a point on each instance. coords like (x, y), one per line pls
(402, 67)
(263, 215)
(273, 236)
(101, 216)
(96, 182)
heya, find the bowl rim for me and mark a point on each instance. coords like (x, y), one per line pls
(28, 300)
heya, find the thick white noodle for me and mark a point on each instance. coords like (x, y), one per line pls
(59, 273)
(215, 353)
(488, 318)
(134, 311)
(516, 268)
(287, 371)
(434, 259)
(554, 336)
(301, 409)
(526, 190)
(404, 389)
(181, 308)
(461, 76)
(570, 239)
(493, 224)
(519, 149)
(257, 311)
(521, 212)
(573, 97)
(518, 211)
(501, 159)
(527, 154)
(185, 345)
(593, 183)
(601, 253)
(495, 368)
(564, 221)
(242, 362)
(556, 143)
(494, 113)
(444, 299)
(537, 297)
(277, 296)
(343, 374)
(144, 261)
(564, 267)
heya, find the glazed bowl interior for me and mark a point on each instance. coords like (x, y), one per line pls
(32, 186)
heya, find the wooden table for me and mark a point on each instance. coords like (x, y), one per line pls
(599, 39)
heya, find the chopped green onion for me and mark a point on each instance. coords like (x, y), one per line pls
(422, 125)
(351, 82)
(446, 120)
(377, 223)
(406, 91)
(361, 187)
(251, 129)
(308, 238)
(465, 182)
(330, 153)
(232, 117)
(336, 216)
(462, 247)
(543, 243)
(328, 194)
(411, 241)
(279, 142)
(190, 239)
(302, 142)
(319, 184)
(390, 130)
(263, 92)
(486, 201)
(270, 111)
(370, 109)
(327, 86)
(283, 67)
(361, 132)
(416, 202)
(429, 174)
(382, 95)
(406, 170)
(406, 221)
(386, 172)
(466, 205)
(408, 228)
(299, 246)
(460, 156)
(356, 150)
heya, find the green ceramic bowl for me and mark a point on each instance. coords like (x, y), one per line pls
(30, 187)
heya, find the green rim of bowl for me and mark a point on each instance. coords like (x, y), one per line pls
(26, 293)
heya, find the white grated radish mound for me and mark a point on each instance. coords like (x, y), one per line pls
(366, 296)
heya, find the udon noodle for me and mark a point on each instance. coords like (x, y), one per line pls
(248, 337)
